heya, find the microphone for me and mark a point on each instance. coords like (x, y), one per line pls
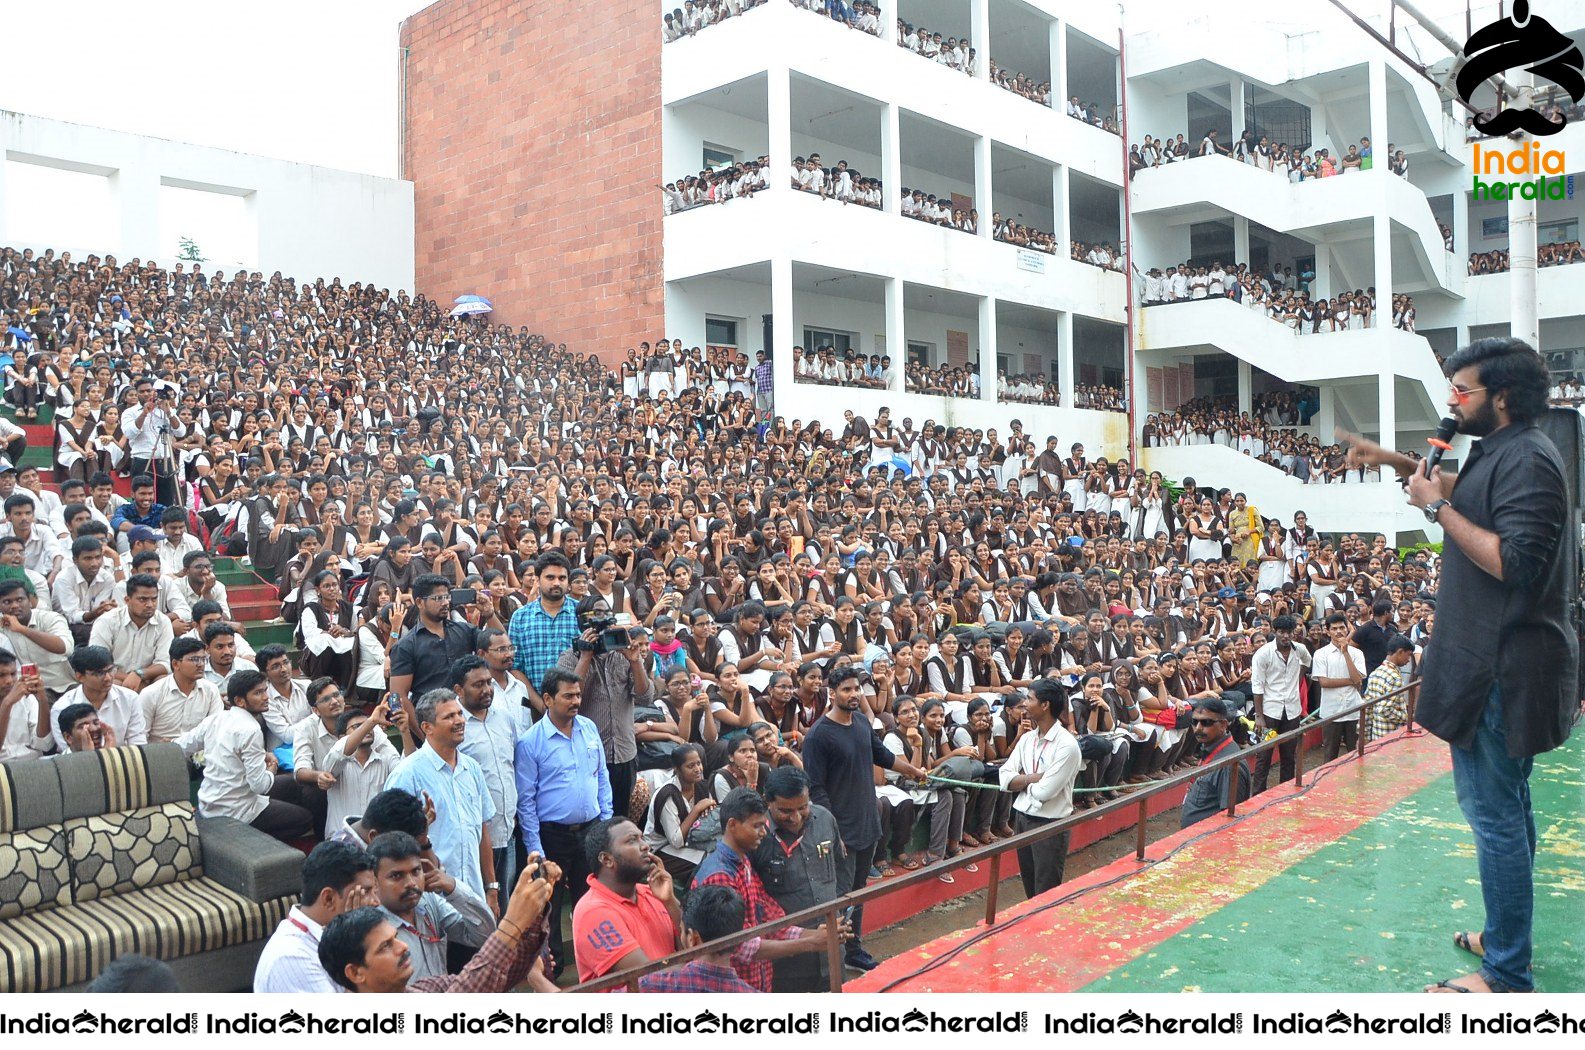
(1440, 443)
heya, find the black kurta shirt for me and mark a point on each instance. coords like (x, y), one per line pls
(1519, 631)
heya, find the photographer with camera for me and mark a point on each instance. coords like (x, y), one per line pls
(612, 662)
(149, 427)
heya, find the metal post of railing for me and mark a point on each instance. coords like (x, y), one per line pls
(834, 946)
(1359, 744)
(1232, 790)
(1298, 759)
(991, 889)
(1140, 818)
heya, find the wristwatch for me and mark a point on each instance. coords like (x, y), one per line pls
(492, 885)
(1434, 508)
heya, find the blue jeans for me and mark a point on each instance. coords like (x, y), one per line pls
(1494, 793)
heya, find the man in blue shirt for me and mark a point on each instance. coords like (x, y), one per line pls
(547, 626)
(141, 510)
(562, 788)
(460, 832)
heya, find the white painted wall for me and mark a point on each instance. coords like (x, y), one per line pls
(308, 221)
(687, 127)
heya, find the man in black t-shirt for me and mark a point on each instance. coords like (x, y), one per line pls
(1372, 637)
(839, 753)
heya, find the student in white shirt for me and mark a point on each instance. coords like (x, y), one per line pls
(118, 707)
(1276, 669)
(336, 878)
(240, 777)
(176, 543)
(24, 727)
(1339, 670)
(361, 762)
(1041, 770)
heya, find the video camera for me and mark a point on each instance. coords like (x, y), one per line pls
(611, 632)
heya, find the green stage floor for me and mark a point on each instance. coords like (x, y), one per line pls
(1377, 908)
(1354, 886)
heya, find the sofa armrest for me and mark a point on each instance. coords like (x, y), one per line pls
(245, 860)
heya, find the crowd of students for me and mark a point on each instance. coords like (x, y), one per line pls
(1279, 295)
(1038, 91)
(492, 545)
(1294, 163)
(1093, 114)
(951, 51)
(1557, 253)
(694, 15)
(840, 183)
(716, 187)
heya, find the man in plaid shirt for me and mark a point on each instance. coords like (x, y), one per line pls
(1388, 715)
(744, 822)
(546, 627)
(712, 912)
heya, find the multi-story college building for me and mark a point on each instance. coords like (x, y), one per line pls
(545, 136)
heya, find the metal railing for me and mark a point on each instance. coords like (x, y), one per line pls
(829, 913)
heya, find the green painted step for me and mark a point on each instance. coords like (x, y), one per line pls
(38, 456)
(46, 414)
(259, 634)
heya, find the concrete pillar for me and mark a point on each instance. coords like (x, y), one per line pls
(982, 183)
(988, 349)
(891, 158)
(896, 337)
(1240, 239)
(1326, 413)
(1323, 273)
(980, 37)
(1059, 66)
(1382, 221)
(782, 323)
(1460, 226)
(1065, 382)
(1061, 221)
(1246, 383)
(1387, 410)
(136, 191)
(1235, 94)
(778, 99)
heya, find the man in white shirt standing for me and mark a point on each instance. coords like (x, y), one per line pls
(1041, 770)
(1339, 670)
(336, 878)
(1276, 669)
(240, 776)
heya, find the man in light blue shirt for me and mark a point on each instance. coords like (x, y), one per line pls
(490, 739)
(562, 788)
(460, 832)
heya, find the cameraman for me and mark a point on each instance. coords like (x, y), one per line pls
(615, 679)
(148, 426)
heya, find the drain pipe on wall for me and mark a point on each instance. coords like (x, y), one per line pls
(1130, 356)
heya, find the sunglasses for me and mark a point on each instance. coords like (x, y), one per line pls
(1462, 395)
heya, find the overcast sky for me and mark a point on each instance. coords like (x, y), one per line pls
(306, 80)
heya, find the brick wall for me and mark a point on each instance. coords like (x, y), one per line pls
(532, 138)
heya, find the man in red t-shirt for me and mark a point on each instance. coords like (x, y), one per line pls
(630, 915)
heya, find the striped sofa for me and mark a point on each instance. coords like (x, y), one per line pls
(101, 854)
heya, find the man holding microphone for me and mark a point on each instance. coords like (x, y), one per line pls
(1501, 681)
